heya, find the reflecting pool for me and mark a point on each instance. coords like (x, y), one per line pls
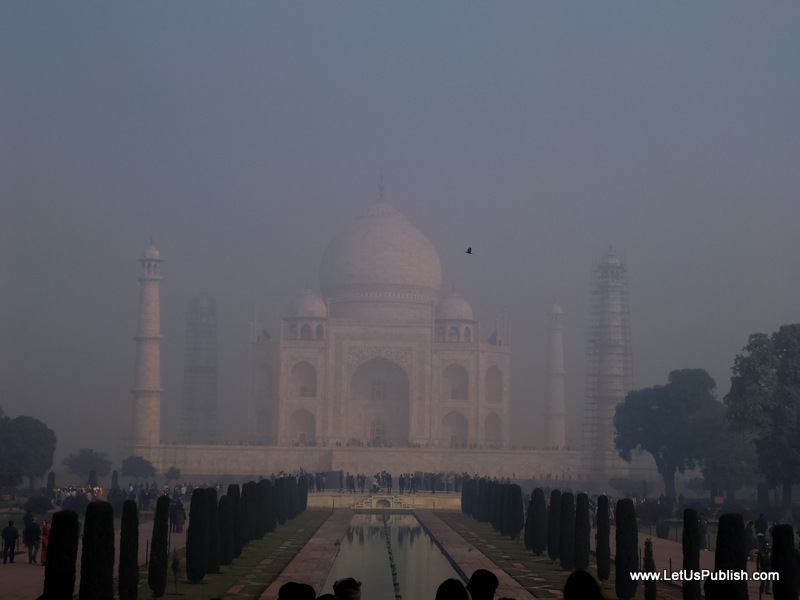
(410, 565)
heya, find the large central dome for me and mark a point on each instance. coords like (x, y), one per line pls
(380, 258)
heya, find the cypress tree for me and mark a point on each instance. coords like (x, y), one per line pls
(302, 494)
(528, 537)
(603, 545)
(97, 558)
(236, 516)
(731, 554)
(583, 532)
(691, 553)
(649, 566)
(252, 508)
(566, 541)
(783, 562)
(517, 517)
(197, 537)
(51, 481)
(539, 525)
(244, 512)
(129, 552)
(212, 558)
(483, 501)
(291, 497)
(62, 555)
(92, 481)
(280, 500)
(225, 531)
(262, 501)
(553, 524)
(272, 522)
(114, 480)
(626, 560)
(159, 550)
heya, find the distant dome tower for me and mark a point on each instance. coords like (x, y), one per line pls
(147, 379)
(555, 433)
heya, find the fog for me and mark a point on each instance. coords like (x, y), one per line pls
(243, 136)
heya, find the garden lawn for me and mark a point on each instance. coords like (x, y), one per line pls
(250, 574)
(538, 574)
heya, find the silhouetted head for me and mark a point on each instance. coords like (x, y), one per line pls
(289, 591)
(347, 589)
(305, 592)
(451, 589)
(327, 597)
(581, 585)
(11, 523)
(482, 585)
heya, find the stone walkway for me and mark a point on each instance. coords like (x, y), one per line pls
(668, 555)
(23, 581)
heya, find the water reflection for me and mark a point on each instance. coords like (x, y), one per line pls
(364, 554)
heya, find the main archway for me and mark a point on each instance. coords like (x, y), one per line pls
(379, 407)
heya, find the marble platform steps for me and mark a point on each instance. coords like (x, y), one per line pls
(383, 502)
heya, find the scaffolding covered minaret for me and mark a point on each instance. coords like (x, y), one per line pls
(609, 364)
(147, 378)
(199, 401)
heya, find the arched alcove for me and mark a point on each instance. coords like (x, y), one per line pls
(455, 384)
(494, 385)
(304, 380)
(494, 431)
(302, 427)
(380, 392)
(454, 429)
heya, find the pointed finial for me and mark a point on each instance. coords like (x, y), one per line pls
(380, 188)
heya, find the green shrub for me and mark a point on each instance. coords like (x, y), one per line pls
(554, 524)
(626, 560)
(62, 555)
(159, 549)
(97, 558)
(129, 552)
(603, 550)
(583, 532)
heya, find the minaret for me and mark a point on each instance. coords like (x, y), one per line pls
(199, 401)
(147, 379)
(555, 433)
(609, 363)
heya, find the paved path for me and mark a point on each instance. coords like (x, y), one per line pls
(313, 563)
(469, 558)
(665, 551)
(25, 581)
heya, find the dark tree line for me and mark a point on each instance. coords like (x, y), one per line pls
(217, 532)
(219, 529)
(497, 503)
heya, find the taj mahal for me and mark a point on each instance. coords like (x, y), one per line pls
(384, 369)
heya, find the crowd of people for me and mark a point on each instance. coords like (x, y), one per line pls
(34, 536)
(482, 585)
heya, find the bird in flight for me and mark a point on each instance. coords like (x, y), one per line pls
(469, 250)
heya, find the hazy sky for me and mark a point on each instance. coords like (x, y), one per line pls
(243, 136)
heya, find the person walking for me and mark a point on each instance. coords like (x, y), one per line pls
(45, 541)
(10, 536)
(33, 537)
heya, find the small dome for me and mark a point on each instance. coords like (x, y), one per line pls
(152, 252)
(308, 304)
(556, 310)
(453, 306)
